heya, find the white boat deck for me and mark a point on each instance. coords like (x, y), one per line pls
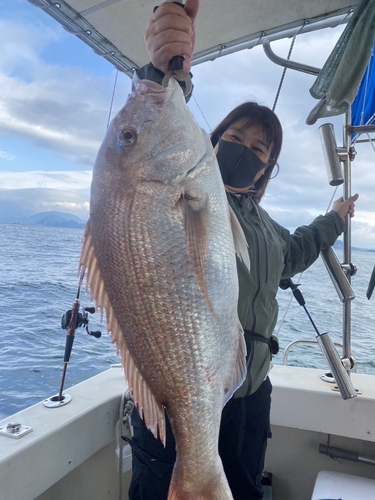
(64, 438)
(302, 400)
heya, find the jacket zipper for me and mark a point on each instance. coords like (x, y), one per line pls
(256, 238)
(257, 247)
(265, 250)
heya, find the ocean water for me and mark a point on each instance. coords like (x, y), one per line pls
(38, 283)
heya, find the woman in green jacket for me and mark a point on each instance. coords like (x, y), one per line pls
(247, 143)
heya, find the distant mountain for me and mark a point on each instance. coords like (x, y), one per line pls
(55, 219)
(339, 245)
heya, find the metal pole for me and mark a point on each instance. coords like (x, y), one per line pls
(347, 237)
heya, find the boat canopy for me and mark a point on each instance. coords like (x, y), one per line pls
(115, 28)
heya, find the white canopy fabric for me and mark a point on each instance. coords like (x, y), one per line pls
(115, 28)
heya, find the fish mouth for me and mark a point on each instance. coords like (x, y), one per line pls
(179, 147)
(157, 92)
(154, 91)
(150, 87)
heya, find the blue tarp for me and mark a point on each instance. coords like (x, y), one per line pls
(363, 106)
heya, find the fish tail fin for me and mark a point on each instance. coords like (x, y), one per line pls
(240, 244)
(215, 488)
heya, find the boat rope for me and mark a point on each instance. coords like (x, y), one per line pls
(123, 429)
(273, 109)
(330, 201)
(284, 72)
(112, 99)
(200, 109)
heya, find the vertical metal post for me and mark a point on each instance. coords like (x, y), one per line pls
(347, 237)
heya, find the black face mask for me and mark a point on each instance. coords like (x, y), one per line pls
(238, 164)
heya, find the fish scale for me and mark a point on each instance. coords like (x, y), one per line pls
(161, 261)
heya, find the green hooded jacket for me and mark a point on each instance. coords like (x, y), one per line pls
(275, 254)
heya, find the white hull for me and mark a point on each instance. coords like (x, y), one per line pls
(70, 454)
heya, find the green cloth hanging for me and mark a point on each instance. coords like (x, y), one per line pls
(337, 83)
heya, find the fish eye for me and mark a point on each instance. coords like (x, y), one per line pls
(127, 136)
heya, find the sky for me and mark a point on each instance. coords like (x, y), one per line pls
(55, 102)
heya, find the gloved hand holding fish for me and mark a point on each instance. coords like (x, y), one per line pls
(160, 258)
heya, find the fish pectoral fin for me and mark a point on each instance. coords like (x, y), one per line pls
(196, 238)
(240, 243)
(150, 410)
(240, 368)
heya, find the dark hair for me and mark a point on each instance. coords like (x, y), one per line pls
(255, 114)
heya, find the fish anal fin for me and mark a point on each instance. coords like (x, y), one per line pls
(240, 368)
(240, 243)
(194, 210)
(151, 411)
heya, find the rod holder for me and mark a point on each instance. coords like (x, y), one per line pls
(57, 401)
(337, 275)
(345, 385)
(331, 156)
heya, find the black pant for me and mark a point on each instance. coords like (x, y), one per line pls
(244, 429)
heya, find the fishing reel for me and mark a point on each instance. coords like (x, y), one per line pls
(82, 319)
(70, 321)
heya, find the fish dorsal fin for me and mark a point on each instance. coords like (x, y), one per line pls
(196, 238)
(240, 243)
(240, 369)
(150, 410)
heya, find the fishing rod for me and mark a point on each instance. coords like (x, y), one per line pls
(371, 285)
(341, 376)
(70, 321)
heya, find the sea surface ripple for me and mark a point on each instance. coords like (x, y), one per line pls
(39, 283)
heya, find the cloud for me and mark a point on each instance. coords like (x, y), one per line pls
(72, 180)
(61, 108)
(16, 205)
(51, 119)
(363, 234)
(6, 156)
(23, 194)
(64, 108)
(31, 37)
